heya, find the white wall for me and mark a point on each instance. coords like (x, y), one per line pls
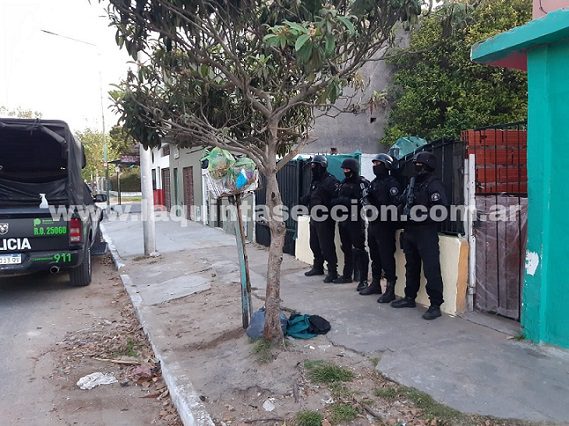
(160, 162)
(454, 267)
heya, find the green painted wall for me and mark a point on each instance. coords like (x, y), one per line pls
(545, 316)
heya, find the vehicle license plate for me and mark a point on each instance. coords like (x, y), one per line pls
(10, 259)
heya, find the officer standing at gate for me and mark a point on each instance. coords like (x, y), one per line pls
(420, 239)
(383, 194)
(352, 225)
(322, 232)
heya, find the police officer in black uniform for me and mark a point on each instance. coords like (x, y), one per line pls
(352, 226)
(420, 239)
(383, 194)
(322, 232)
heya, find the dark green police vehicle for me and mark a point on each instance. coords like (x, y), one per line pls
(48, 217)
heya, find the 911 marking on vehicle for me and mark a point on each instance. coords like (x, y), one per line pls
(15, 244)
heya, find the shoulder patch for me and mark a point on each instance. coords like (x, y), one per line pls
(394, 190)
(435, 196)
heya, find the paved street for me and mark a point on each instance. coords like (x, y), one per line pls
(36, 386)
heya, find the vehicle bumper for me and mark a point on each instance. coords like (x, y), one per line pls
(44, 261)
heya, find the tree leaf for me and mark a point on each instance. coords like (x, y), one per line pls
(300, 41)
(348, 24)
(297, 27)
(304, 53)
(330, 47)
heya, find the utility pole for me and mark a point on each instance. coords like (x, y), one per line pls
(148, 220)
(104, 130)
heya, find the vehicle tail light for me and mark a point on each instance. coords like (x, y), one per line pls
(75, 230)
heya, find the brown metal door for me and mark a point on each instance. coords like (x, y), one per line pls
(500, 260)
(188, 177)
(166, 188)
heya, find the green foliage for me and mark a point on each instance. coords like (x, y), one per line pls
(343, 413)
(121, 143)
(94, 147)
(308, 418)
(130, 180)
(325, 372)
(246, 76)
(243, 74)
(437, 91)
(117, 144)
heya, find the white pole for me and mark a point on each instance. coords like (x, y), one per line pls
(148, 219)
(471, 185)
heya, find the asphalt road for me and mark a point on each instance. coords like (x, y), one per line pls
(36, 313)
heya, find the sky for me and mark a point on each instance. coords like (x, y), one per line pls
(58, 77)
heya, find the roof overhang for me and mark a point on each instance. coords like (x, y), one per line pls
(509, 49)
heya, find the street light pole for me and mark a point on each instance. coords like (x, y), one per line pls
(105, 144)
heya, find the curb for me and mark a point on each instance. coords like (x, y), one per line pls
(186, 400)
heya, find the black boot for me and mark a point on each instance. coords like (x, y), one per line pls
(373, 288)
(362, 285)
(432, 313)
(332, 275)
(389, 294)
(314, 271)
(404, 303)
(342, 280)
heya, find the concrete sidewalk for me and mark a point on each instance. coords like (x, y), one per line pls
(460, 362)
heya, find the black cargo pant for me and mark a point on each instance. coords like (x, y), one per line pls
(420, 243)
(352, 237)
(376, 269)
(322, 244)
(381, 236)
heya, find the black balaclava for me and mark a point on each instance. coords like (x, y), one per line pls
(317, 171)
(421, 169)
(380, 170)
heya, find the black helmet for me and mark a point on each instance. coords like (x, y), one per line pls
(319, 159)
(386, 159)
(351, 164)
(426, 158)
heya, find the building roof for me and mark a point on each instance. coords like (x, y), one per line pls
(509, 49)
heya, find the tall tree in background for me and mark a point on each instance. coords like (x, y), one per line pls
(118, 143)
(437, 91)
(94, 147)
(247, 76)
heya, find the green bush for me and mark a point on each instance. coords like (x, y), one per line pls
(130, 181)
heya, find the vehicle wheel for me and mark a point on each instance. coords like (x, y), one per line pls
(81, 275)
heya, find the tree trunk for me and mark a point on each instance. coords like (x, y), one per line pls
(273, 329)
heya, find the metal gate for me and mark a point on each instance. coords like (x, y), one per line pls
(290, 179)
(501, 226)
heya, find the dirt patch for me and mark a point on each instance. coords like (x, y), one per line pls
(307, 383)
(113, 345)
